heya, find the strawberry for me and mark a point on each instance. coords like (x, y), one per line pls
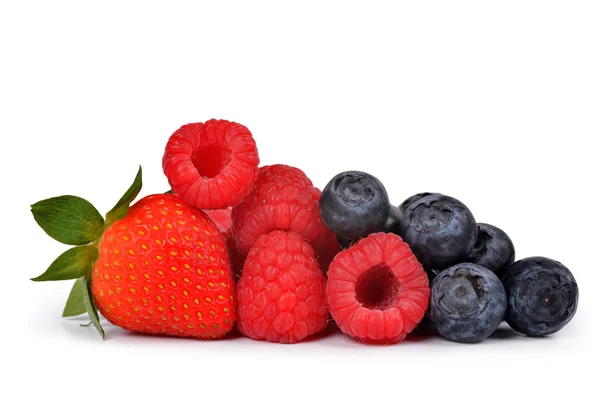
(159, 267)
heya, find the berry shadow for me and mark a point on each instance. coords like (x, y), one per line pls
(80, 328)
(415, 337)
(505, 332)
(75, 325)
(420, 335)
(231, 336)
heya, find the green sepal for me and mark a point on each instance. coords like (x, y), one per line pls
(68, 219)
(122, 206)
(72, 264)
(75, 304)
(90, 306)
(73, 220)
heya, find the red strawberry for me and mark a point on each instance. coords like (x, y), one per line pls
(164, 269)
(159, 267)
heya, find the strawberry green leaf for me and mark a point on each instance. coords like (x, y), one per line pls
(75, 304)
(72, 264)
(90, 306)
(122, 206)
(68, 219)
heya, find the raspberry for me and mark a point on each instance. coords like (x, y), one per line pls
(211, 165)
(281, 295)
(222, 219)
(377, 290)
(283, 198)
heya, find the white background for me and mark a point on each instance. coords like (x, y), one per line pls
(495, 103)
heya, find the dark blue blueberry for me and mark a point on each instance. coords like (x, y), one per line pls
(493, 249)
(542, 296)
(392, 225)
(440, 230)
(412, 199)
(354, 204)
(467, 303)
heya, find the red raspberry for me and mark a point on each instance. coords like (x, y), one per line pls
(222, 219)
(283, 198)
(377, 290)
(211, 165)
(281, 295)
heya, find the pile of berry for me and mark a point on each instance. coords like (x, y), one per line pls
(264, 250)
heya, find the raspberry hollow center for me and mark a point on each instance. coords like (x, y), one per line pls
(377, 288)
(210, 160)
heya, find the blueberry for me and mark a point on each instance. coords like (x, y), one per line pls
(542, 296)
(440, 230)
(467, 303)
(493, 249)
(392, 225)
(354, 204)
(412, 199)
